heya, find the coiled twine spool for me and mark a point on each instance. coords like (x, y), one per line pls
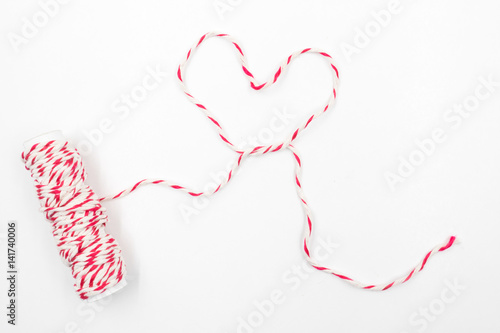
(77, 217)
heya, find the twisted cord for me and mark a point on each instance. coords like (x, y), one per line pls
(78, 218)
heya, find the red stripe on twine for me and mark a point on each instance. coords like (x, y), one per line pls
(319, 268)
(297, 158)
(278, 148)
(336, 70)
(256, 149)
(201, 39)
(342, 277)
(214, 121)
(409, 276)
(277, 75)
(238, 47)
(137, 185)
(225, 140)
(450, 243)
(388, 286)
(310, 119)
(297, 181)
(246, 71)
(425, 260)
(179, 73)
(257, 87)
(306, 249)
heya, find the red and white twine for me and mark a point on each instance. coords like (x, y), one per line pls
(78, 218)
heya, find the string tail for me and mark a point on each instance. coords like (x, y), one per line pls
(308, 234)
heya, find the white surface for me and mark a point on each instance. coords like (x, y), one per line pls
(241, 247)
(46, 137)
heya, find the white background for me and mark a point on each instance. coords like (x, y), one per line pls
(203, 273)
